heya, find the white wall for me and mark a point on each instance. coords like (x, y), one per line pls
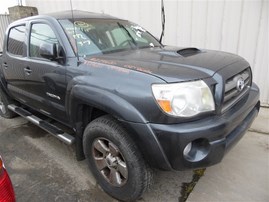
(237, 26)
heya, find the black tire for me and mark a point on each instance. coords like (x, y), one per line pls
(119, 153)
(4, 102)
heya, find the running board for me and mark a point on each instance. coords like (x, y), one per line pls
(52, 129)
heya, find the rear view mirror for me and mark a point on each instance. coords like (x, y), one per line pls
(48, 51)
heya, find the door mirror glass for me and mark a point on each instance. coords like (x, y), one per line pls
(48, 51)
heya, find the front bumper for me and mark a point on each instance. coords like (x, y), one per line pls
(211, 137)
(163, 145)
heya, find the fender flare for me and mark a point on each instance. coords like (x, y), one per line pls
(125, 112)
(104, 100)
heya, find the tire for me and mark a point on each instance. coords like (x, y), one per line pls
(4, 102)
(121, 171)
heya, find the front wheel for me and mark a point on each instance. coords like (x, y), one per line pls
(115, 160)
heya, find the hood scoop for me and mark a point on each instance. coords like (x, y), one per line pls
(185, 52)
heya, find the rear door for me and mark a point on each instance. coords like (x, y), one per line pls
(13, 61)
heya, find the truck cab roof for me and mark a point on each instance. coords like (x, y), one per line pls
(78, 14)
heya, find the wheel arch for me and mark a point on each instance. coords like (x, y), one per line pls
(140, 134)
(101, 101)
(86, 103)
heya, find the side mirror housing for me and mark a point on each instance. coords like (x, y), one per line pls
(48, 51)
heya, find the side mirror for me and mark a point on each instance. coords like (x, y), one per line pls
(48, 51)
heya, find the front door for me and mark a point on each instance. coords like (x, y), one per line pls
(45, 78)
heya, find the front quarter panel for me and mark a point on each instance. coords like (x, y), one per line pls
(123, 93)
(126, 95)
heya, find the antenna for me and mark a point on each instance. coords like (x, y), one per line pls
(74, 32)
(19, 2)
(163, 21)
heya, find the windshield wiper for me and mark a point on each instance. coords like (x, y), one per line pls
(121, 26)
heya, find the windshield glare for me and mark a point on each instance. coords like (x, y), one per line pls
(105, 36)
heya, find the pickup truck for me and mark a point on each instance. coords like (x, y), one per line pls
(127, 102)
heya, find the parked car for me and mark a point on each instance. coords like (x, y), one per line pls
(6, 189)
(131, 102)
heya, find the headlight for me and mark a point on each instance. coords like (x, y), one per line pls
(184, 99)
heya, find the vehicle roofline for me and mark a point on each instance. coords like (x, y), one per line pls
(77, 14)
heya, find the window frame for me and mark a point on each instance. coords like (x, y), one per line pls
(30, 36)
(39, 21)
(23, 44)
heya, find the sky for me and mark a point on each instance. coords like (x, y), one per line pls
(4, 4)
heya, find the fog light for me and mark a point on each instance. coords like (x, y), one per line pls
(196, 150)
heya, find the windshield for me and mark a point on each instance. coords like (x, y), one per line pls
(95, 36)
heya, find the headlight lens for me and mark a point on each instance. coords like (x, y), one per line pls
(184, 99)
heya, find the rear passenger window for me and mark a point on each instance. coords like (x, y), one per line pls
(15, 40)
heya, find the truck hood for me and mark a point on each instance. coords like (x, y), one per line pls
(171, 64)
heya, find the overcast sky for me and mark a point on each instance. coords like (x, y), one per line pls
(4, 4)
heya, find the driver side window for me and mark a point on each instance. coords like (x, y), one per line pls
(119, 35)
(40, 35)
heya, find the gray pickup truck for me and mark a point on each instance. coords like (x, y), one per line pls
(126, 101)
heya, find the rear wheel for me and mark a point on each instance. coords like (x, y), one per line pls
(115, 160)
(4, 102)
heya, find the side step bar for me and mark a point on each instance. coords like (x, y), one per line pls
(52, 129)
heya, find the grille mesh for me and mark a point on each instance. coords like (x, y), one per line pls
(234, 90)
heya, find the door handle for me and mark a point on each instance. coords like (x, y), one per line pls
(5, 65)
(27, 70)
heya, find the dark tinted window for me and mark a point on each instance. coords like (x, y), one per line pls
(41, 34)
(16, 40)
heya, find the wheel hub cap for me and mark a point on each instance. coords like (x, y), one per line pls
(110, 162)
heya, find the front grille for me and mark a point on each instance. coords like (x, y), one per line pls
(235, 88)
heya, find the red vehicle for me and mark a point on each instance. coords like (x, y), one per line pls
(6, 189)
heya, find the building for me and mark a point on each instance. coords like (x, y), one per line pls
(239, 27)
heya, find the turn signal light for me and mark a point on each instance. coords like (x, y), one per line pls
(165, 105)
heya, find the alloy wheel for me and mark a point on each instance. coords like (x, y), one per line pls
(110, 162)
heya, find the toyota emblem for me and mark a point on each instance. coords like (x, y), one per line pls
(240, 84)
